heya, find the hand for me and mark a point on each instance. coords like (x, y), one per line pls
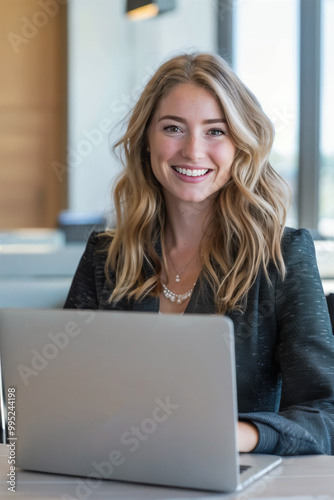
(248, 436)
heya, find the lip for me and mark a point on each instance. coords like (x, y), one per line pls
(188, 178)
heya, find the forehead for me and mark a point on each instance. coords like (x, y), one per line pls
(189, 98)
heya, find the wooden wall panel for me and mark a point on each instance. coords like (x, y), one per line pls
(33, 111)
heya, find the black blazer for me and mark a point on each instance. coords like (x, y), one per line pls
(283, 341)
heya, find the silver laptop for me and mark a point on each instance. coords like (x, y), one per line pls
(137, 397)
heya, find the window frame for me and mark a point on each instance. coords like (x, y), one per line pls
(310, 13)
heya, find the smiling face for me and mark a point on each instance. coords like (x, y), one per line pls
(189, 143)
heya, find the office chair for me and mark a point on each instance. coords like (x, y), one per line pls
(330, 304)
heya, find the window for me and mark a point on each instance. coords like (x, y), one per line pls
(282, 50)
(266, 59)
(326, 182)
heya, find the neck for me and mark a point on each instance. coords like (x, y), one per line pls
(185, 225)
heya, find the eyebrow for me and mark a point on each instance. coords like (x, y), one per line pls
(182, 120)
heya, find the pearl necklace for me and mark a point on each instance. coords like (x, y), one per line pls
(179, 298)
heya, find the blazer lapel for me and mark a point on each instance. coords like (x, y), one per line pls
(148, 303)
(201, 300)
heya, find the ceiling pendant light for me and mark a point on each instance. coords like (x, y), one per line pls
(144, 9)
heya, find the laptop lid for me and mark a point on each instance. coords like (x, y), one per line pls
(121, 395)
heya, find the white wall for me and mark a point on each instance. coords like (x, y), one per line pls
(110, 59)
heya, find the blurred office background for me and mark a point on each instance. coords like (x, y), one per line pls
(70, 72)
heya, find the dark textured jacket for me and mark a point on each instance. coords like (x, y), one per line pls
(284, 344)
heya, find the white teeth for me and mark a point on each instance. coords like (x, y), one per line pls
(191, 173)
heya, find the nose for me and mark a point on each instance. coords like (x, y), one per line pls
(192, 147)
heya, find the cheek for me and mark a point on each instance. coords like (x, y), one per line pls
(158, 157)
(225, 156)
(165, 149)
(161, 147)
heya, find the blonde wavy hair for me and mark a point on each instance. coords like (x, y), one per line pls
(249, 211)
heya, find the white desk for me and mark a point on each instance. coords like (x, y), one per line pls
(297, 478)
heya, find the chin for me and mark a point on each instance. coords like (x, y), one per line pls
(195, 199)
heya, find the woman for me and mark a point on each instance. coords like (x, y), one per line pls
(200, 229)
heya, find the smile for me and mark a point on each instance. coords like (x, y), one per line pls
(191, 172)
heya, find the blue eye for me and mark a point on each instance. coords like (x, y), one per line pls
(216, 132)
(172, 128)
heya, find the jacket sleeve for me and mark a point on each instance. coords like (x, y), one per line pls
(83, 293)
(305, 355)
